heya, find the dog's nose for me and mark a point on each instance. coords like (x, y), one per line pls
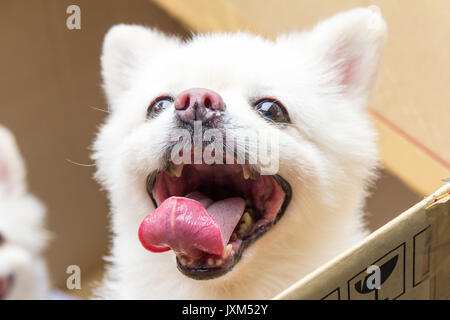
(199, 104)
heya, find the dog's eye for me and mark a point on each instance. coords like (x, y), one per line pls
(272, 110)
(158, 105)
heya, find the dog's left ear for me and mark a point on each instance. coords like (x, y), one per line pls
(350, 45)
(126, 49)
(12, 168)
(346, 49)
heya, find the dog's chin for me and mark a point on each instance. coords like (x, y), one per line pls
(6, 285)
(266, 199)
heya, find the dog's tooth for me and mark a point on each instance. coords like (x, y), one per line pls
(246, 172)
(175, 170)
(210, 261)
(228, 250)
(244, 223)
(219, 262)
(246, 218)
(183, 261)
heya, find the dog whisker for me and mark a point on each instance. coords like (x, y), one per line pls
(102, 110)
(80, 164)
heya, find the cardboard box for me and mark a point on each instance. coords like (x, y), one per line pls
(411, 254)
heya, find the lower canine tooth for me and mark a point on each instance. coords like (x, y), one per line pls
(210, 262)
(219, 262)
(245, 223)
(246, 219)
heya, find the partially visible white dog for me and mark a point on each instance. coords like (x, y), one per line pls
(23, 272)
(224, 231)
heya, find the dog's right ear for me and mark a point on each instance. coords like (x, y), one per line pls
(125, 49)
(12, 169)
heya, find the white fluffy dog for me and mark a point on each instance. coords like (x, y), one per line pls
(224, 231)
(23, 272)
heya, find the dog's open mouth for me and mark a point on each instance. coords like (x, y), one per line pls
(209, 214)
(5, 286)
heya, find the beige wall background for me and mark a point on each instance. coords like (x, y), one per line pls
(50, 87)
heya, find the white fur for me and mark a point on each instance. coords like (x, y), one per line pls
(21, 225)
(328, 154)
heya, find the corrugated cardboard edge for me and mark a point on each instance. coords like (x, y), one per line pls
(307, 287)
(439, 218)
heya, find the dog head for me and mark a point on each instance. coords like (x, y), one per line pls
(305, 91)
(22, 238)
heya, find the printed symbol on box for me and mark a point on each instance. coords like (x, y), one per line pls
(383, 280)
(333, 295)
(376, 277)
(421, 255)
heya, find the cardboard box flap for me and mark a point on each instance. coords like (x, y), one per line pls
(408, 258)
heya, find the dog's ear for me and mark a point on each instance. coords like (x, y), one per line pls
(346, 49)
(350, 45)
(12, 169)
(125, 50)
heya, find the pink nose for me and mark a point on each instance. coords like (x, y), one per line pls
(198, 104)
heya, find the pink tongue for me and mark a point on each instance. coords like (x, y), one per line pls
(184, 225)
